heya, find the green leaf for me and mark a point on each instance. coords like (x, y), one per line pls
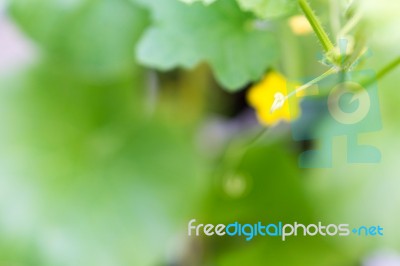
(93, 38)
(268, 9)
(78, 150)
(221, 35)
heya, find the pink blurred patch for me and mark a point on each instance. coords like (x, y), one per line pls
(16, 50)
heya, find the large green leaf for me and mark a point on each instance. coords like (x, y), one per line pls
(268, 8)
(91, 37)
(220, 34)
(86, 177)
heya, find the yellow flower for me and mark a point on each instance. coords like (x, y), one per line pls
(269, 99)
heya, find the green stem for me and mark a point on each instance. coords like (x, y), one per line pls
(317, 26)
(312, 82)
(389, 67)
(383, 72)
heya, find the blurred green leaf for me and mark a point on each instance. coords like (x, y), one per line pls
(272, 191)
(86, 178)
(268, 9)
(95, 39)
(220, 34)
(263, 186)
(272, 251)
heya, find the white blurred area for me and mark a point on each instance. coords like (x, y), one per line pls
(382, 23)
(383, 258)
(16, 51)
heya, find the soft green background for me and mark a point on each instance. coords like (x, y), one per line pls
(101, 159)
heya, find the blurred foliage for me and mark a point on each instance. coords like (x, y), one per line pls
(269, 8)
(99, 157)
(220, 34)
(101, 176)
(98, 174)
(95, 39)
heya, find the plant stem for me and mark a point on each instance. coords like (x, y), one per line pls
(316, 25)
(389, 67)
(312, 82)
(383, 72)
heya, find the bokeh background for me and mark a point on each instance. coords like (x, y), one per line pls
(113, 136)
